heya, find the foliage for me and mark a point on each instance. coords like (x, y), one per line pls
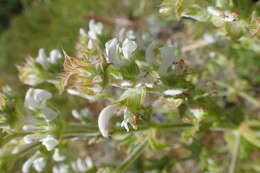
(145, 98)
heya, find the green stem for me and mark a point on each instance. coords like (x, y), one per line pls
(235, 154)
(132, 157)
(7, 138)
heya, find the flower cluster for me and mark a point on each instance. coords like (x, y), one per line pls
(140, 95)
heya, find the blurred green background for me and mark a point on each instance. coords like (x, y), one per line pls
(27, 25)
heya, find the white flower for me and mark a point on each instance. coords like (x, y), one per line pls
(39, 164)
(49, 142)
(80, 114)
(128, 48)
(61, 168)
(112, 47)
(28, 139)
(45, 61)
(173, 92)
(49, 114)
(90, 44)
(127, 119)
(82, 32)
(55, 55)
(126, 84)
(167, 58)
(42, 58)
(82, 165)
(28, 163)
(35, 99)
(94, 29)
(130, 34)
(104, 118)
(57, 156)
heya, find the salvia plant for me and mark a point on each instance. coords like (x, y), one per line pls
(146, 98)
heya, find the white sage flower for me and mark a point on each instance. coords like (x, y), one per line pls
(173, 92)
(39, 164)
(35, 99)
(128, 47)
(104, 118)
(94, 29)
(112, 47)
(57, 156)
(61, 168)
(49, 142)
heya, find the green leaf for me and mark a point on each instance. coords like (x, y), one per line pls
(133, 98)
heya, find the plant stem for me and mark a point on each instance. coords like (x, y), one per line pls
(132, 157)
(234, 154)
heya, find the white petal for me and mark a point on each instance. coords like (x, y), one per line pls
(39, 164)
(42, 58)
(213, 11)
(104, 118)
(49, 114)
(28, 139)
(62, 168)
(57, 156)
(36, 98)
(49, 142)
(173, 92)
(55, 55)
(28, 163)
(89, 162)
(94, 29)
(111, 52)
(128, 48)
(81, 165)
